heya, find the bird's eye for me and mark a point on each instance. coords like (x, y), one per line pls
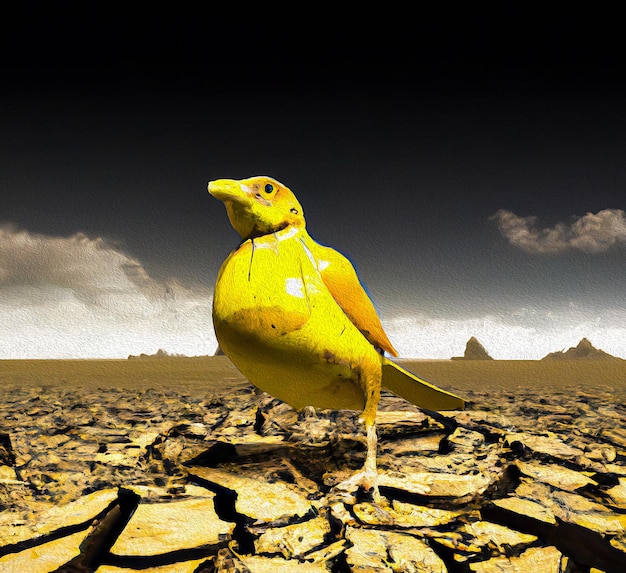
(269, 188)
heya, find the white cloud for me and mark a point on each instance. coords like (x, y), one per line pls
(526, 334)
(591, 233)
(76, 297)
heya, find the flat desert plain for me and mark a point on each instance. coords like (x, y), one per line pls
(216, 373)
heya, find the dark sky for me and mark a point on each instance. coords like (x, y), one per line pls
(421, 144)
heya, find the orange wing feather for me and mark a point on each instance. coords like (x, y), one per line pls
(341, 280)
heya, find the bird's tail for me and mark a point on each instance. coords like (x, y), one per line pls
(418, 391)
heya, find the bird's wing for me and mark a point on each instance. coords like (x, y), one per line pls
(341, 280)
(418, 391)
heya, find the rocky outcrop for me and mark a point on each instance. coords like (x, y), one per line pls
(205, 480)
(583, 351)
(474, 350)
(160, 353)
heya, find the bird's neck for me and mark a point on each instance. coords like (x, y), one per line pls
(283, 232)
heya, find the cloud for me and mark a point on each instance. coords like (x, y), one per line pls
(591, 233)
(523, 334)
(81, 297)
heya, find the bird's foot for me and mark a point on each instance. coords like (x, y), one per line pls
(362, 489)
(362, 486)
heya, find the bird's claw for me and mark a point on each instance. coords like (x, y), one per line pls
(363, 484)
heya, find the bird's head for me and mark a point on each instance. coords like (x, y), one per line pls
(258, 205)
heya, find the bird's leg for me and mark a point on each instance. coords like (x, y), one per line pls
(367, 478)
(370, 473)
(370, 381)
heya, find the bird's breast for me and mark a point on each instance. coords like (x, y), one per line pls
(266, 288)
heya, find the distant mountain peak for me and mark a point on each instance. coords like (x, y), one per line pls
(474, 350)
(583, 351)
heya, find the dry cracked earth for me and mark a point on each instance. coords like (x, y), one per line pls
(121, 480)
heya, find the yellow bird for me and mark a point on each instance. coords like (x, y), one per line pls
(294, 318)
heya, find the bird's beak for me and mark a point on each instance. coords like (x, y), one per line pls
(228, 190)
